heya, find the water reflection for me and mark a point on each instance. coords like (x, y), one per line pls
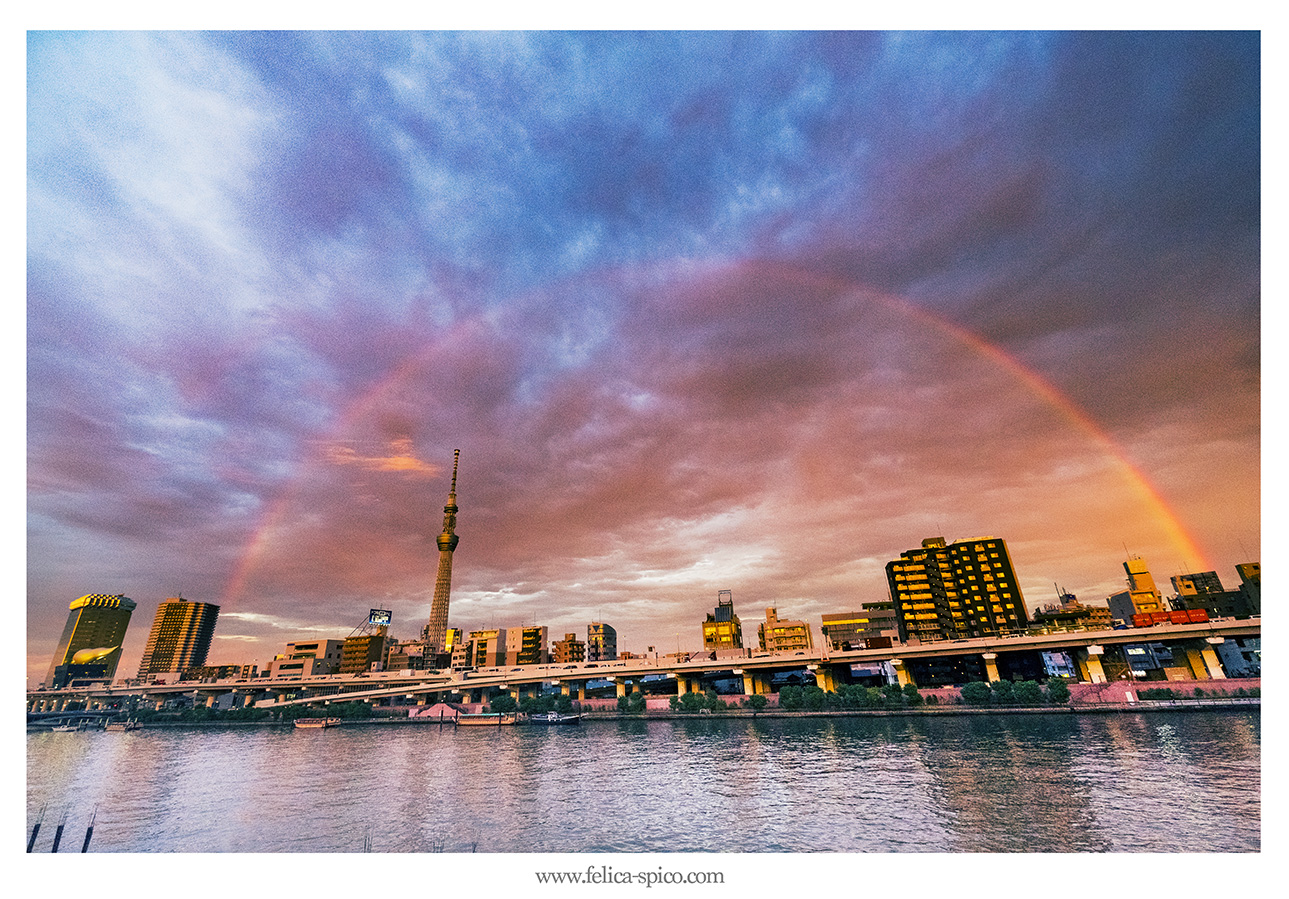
(1149, 782)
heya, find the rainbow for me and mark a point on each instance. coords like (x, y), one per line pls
(1030, 379)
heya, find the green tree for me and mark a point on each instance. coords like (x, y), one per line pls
(812, 697)
(1004, 692)
(1058, 691)
(692, 702)
(911, 694)
(1029, 693)
(757, 702)
(976, 693)
(874, 698)
(790, 697)
(635, 704)
(503, 702)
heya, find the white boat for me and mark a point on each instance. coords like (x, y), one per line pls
(316, 722)
(554, 718)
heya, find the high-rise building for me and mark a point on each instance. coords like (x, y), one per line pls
(779, 635)
(601, 642)
(722, 629)
(436, 629)
(180, 636)
(956, 591)
(90, 646)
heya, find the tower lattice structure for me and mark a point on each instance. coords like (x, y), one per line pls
(436, 629)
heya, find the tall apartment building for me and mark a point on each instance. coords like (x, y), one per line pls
(956, 591)
(722, 628)
(364, 652)
(601, 642)
(90, 646)
(526, 646)
(570, 649)
(852, 630)
(778, 635)
(180, 636)
(487, 648)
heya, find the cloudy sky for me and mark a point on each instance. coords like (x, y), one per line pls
(704, 311)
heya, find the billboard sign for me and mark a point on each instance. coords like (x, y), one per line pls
(380, 617)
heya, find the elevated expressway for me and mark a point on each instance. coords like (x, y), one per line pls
(1194, 641)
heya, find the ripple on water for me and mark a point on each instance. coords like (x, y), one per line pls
(1186, 782)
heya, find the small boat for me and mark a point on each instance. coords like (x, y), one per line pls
(122, 725)
(63, 728)
(316, 722)
(554, 718)
(487, 719)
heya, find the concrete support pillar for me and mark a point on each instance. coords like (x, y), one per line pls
(682, 685)
(581, 691)
(622, 688)
(763, 684)
(991, 667)
(1211, 660)
(210, 701)
(749, 683)
(825, 679)
(902, 676)
(1090, 669)
(566, 688)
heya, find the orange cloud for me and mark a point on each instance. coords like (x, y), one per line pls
(400, 458)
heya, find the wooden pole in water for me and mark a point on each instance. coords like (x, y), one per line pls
(35, 830)
(89, 831)
(58, 834)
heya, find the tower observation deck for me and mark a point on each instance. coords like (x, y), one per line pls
(436, 629)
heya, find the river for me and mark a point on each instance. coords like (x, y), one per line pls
(1157, 781)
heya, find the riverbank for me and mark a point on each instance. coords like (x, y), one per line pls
(1103, 708)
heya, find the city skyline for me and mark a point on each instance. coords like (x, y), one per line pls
(703, 312)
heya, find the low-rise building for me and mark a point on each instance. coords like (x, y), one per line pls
(780, 635)
(853, 630)
(570, 649)
(308, 659)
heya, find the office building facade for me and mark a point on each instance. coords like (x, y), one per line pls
(601, 642)
(956, 591)
(180, 636)
(90, 647)
(722, 628)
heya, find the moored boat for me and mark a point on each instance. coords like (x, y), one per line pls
(494, 719)
(122, 725)
(316, 722)
(554, 718)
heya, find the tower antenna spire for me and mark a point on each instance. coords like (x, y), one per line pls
(437, 628)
